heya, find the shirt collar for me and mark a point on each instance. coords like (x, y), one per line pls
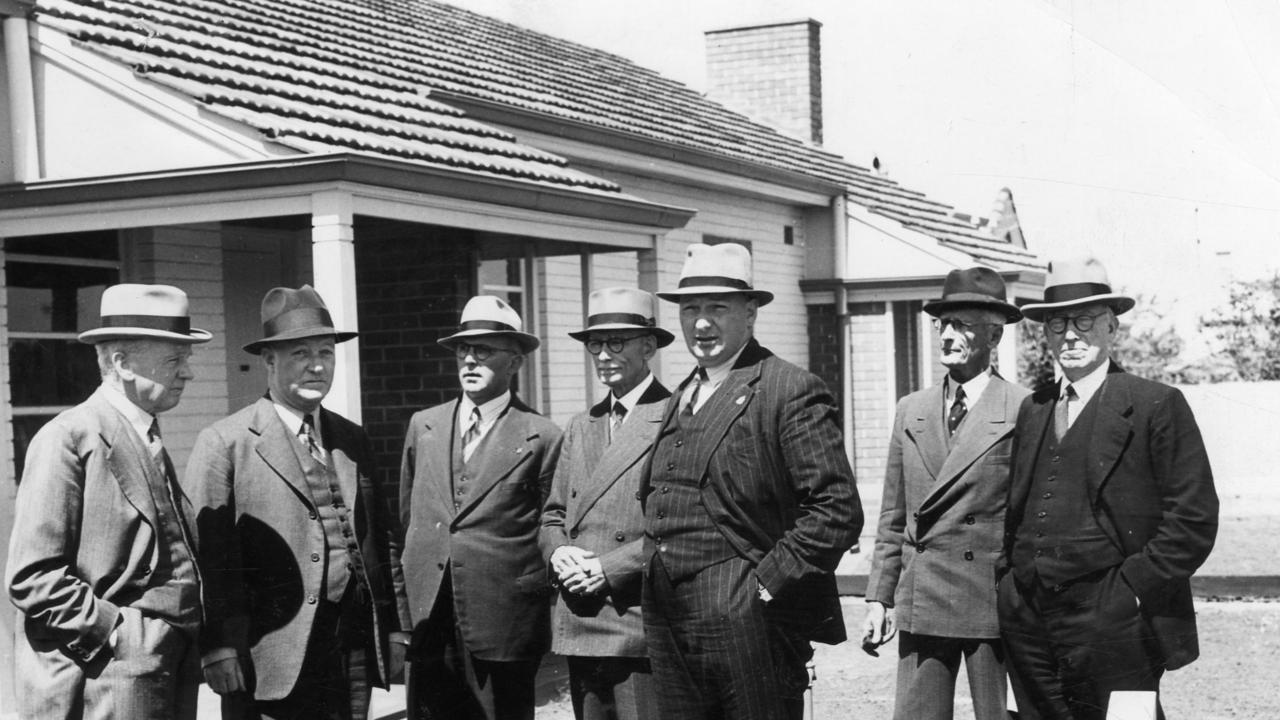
(1088, 385)
(717, 374)
(630, 399)
(973, 388)
(293, 418)
(140, 420)
(489, 411)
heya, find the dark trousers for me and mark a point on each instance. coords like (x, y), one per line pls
(446, 682)
(333, 683)
(927, 670)
(612, 688)
(715, 654)
(1070, 646)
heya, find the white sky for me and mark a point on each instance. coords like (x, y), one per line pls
(1146, 132)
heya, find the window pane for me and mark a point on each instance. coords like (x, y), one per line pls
(24, 428)
(51, 372)
(55, 298)
(103, 245)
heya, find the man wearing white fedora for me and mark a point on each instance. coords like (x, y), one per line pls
(297, 544)
(102, 559)
(749, 505)
(1112, 507)
(474, 476)
(592, 527)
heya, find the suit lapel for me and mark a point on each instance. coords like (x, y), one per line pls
(924, 428)
(435, 448)
(630, 444)
(986, 424)
(505, 446)
(729, 402)
(339, 444)
(1031, 433)
(125, 456)
(1112, 430)
(275, 446)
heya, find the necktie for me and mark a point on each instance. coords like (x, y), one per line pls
(691, 406)
(471, 437)
(619, 414)
(159, 456)
(307, 433)
(1062, 411)
(958, 411)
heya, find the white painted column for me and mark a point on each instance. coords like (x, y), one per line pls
(333, 260)
(22, 103)
(1007, 354)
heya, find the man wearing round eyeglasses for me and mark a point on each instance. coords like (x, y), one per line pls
(941, 519)
(474, 476)
(1111, 509)
(593, 527)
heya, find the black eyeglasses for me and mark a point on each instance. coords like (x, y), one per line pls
(1082, 323)
(956, 324)
(615, 344)
(479, 352)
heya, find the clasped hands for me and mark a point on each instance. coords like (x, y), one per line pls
(579, 571)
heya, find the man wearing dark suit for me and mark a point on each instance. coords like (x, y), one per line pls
(1111, 509)
(298, 547)
(474, 476)
(749, 505)
(592, 526)
(101, 560)
(942, 517)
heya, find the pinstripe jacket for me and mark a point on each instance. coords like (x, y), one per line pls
(593, 505)
(777, 484)
(942, 518)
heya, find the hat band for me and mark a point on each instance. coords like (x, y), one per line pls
(699, 280)
(167, 323)
(1075, 291)
(305, 317)
(626, 318)
(493, 325)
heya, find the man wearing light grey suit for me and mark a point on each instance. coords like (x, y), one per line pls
(941, 520)
(592, 525)
(101, 561)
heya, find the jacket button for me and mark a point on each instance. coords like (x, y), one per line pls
(661, 515)
(968, 520)
(311, 599)
(439, 566)
(146, 569)
(315, 557)
(919, 547)
(573, 534)
(679, 443)
(665, 489)
(620, 537)
(311, 515)
(968, 554)
(639, 496)
(1041, 514)
(574, 493)
(671, 466)
(915, 516)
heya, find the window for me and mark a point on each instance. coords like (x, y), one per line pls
(54, 288)
(906, 346)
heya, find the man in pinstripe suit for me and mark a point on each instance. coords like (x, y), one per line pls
(942, 519)
(749, 504)
(592, 527)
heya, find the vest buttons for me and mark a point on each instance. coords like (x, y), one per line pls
(315, 557)
(620, 537)
(679, 443)
(661, 515)
(968, 555)
(671, 466)
(665, 489)
(1052, 477)
(919, 547)
(1048, 495)
(311, 599)
(969, 520)
(573, 534)
(1041, 514)
(1056, 459)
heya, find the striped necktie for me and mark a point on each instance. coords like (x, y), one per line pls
(1062, 411)
(619, 414)
(471, 438)
(307, 433)
(691, 406)
(958, 411)
(155, 445)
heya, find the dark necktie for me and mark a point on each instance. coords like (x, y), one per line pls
(619, 414)
(1062, 411)
(958, 411)
(471, 437)
(307, 433)
(159, 456)
(691, 406)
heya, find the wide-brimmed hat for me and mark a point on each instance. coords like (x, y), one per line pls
(622, 308)
(487, 316)
(975, 287)
(289, 314)
(1072, 282)
(717, 270)
(158, 312)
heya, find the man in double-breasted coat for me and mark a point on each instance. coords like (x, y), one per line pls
(942, 516)
(473, 478)
(592, 526)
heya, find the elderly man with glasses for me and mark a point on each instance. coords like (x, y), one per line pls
(933, 571)
(474, 476)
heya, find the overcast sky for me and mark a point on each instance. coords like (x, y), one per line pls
(1146, 132)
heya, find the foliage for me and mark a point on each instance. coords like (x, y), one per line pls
(1248, 327)
(1035, 363)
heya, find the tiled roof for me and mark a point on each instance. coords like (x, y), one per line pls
(326, 75)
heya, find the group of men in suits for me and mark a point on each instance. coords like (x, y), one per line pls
(689, 536)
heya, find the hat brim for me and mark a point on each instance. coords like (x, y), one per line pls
(762, 297)
(257, 346)
(528, 343)
(664, 337)
(1011, 312)
(97, 335)
(1120, 304)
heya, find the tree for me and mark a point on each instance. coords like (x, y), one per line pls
(1035, 363)
(1248, 327)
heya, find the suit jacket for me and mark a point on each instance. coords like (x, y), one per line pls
(84, 543)
(942, 517)
(489, 543)
(262, 546)
(777, 484)
(593, 505)
(1151, 490)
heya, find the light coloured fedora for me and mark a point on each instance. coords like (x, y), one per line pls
(622, 308)
(975, 287)
(158, 312)
(488, 316)
(289, 314)
(1072, 282)
(717, 270)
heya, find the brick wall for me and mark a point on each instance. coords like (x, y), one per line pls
(771, 73)
(824, 347)
(872, 355)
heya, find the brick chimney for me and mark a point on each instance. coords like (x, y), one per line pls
(770, 73)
